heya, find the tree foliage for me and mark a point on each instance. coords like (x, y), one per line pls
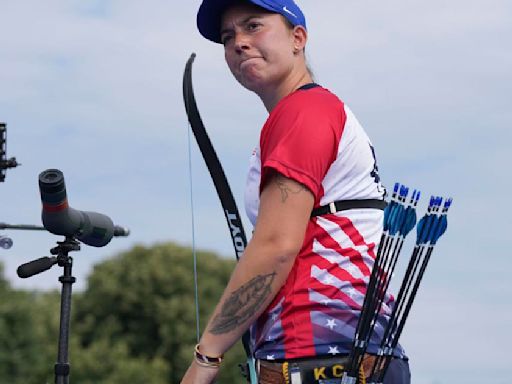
(135, 322)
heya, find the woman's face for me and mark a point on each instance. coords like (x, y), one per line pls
(258, 46)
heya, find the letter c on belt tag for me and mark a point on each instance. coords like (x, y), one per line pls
(337, 370)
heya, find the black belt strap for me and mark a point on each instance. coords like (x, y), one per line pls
(343, 205)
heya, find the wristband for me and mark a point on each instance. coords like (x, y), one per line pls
(207, 361)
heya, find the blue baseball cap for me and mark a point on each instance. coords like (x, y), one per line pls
(210, 14)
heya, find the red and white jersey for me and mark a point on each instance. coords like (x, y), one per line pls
(313, 138)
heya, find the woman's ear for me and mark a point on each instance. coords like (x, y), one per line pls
(300, 37)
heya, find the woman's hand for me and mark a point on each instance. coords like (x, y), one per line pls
(198, 374)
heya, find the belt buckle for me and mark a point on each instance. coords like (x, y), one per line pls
(295, 375)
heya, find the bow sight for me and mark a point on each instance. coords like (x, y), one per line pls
(4, 162)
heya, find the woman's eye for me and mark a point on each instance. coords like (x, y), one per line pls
(252, 26)
(225, 39)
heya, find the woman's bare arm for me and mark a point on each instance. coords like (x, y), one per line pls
(284, 212)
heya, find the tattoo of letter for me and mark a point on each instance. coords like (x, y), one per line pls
(242, 304)
(286, 188)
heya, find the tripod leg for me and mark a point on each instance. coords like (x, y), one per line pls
(62, 366)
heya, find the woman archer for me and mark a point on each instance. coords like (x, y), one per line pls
(308, 262)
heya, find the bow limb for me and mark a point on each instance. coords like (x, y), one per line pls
(220, 181)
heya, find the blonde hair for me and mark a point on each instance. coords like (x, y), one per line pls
(291, 27)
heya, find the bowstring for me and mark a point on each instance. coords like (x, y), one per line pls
(194, 255)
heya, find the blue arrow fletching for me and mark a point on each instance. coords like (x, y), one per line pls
(425, 230)
(387, 213)
(409, 222)
(434, 220)
(433, 225)
(441, 228)
(399, 219)
(423, 233)
(442, 224)
(433, 228)
(419, 228)
(396, 219)
(391, 215)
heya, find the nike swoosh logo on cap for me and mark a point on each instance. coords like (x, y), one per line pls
(288, 11)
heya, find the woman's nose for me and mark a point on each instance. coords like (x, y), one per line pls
(241, 42)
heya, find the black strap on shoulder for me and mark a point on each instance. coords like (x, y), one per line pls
(343, 205)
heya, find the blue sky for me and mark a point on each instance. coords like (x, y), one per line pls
(94, 89)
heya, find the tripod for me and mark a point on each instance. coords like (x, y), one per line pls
(62, 258)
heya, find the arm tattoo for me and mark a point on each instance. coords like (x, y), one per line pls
(286, 188)
(242, 304)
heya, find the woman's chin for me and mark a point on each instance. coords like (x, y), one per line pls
(253, 83)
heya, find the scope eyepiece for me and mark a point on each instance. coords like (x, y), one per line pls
(53, 190)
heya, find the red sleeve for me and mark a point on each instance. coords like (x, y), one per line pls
(301, 136)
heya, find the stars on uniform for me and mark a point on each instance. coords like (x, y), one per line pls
(333, 350)
(352, 293)
(326, 301)
(274, 316)
(271, 357)
(331, 323)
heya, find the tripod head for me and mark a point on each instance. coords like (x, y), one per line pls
(62, 258)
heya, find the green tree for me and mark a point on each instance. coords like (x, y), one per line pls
(105, 363)
(4, 284)
(135, 323)
(21, 352)
(142, 303)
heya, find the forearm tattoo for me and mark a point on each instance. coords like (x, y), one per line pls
(286, 187)
(242, 304)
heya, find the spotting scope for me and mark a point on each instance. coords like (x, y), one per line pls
(59, 218)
